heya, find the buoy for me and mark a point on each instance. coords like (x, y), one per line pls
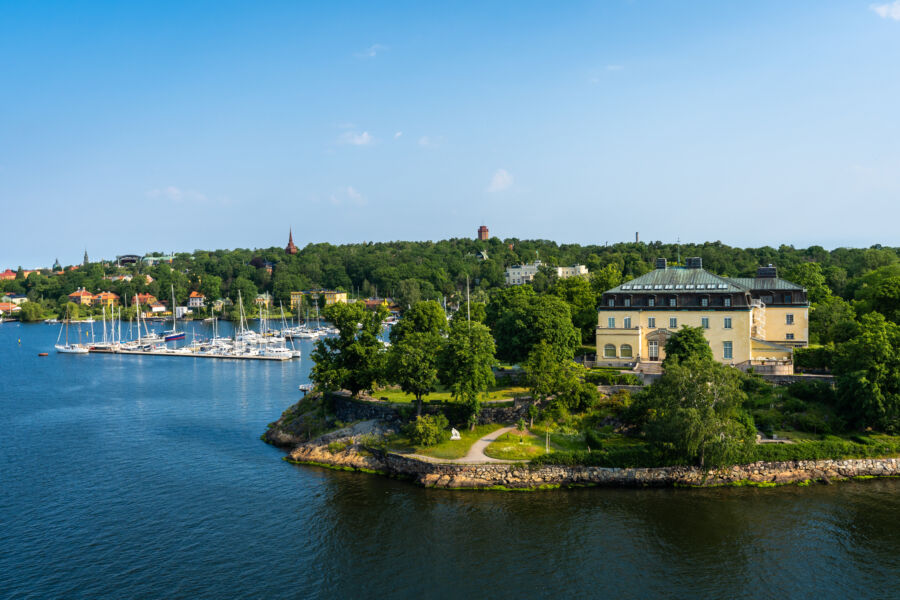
(42, 354)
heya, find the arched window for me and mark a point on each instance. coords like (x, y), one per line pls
(625, 351)
(609, 351)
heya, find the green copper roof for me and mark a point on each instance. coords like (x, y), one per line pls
(765, 283)
(681, 279)
(678, 279)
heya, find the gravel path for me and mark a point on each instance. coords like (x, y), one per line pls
(476, 453)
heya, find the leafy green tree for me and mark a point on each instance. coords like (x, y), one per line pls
(605, 279)
(832, 320)
(687, 343)
(528, 321)
(412, 363)
(31, 312)
(810, 276)
(211, 287)
(423, 317)
(354, 360)
(887, 298)
(582, 301)
(429, 430)
(867, 369)
(693, 412)
(465, 364)
(247, 290)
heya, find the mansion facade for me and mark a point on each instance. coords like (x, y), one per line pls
(748, 321)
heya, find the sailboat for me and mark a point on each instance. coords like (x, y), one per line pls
(174, 334)
(68, 348)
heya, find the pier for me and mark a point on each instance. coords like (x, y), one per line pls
(189, 354)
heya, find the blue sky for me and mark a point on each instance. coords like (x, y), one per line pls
(133, 127)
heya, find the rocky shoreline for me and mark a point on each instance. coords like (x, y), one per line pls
(354, 448)
(347, 450)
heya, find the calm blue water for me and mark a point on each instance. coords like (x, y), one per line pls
(139, 477)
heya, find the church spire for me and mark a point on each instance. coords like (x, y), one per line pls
(290, 248)
(85, 258)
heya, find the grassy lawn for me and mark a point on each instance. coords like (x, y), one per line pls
(508, 447)
(495, 393)
(449, 449)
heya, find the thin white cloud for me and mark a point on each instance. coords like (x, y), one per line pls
(348, 196)
(356, 139)
(397, 135)
(887, 11)
(176, 194)
(615, 67)
(426, 141)
(372, 51)
(500, 181)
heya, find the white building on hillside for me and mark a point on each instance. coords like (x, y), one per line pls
(520, 274)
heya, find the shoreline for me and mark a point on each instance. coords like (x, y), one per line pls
(355, 455)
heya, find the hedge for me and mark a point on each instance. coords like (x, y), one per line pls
(814, 358)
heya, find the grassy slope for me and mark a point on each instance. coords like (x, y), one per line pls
(495, 393)
(448, 449)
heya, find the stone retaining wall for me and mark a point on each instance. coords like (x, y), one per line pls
(347, 409)
(521, 476)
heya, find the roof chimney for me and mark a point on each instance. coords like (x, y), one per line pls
(660, 263)
(769, 271)
(695, 262)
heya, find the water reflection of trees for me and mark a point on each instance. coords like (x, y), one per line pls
(628, 543)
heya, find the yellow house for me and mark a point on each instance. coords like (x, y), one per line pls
(330, 296)
(748, 322)
(107, 299)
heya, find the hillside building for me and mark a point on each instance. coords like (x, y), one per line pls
(521, 274)
(748, 321)
(483, 234)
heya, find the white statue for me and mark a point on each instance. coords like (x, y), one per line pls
(454, 434)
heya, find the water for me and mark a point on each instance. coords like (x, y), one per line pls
(140, 477)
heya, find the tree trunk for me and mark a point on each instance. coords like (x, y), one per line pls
(419, 406)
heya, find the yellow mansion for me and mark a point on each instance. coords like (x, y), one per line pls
(748, 321)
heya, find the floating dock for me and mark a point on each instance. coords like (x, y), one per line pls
(189, 354)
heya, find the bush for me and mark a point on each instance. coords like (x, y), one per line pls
(429, 430)
(813, 391)
(821, 358)
(826, 449)
(610, 377)
(593, 440)
(621, 457)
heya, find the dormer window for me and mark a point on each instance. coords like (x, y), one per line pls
(627, 301)
(611, 302)
(727, 301)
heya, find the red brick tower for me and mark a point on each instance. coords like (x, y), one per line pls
(291, 248)
(483, 233)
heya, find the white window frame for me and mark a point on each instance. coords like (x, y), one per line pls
(673, 322)
(727, 350)
(728, 323)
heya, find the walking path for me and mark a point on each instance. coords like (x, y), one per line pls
(476, 453)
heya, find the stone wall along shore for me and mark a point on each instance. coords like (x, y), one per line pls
(522, 476)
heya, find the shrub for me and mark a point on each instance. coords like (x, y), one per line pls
(429, 430)
(609, 377)
(593, 440)
(821, 358)
(835, 449)
(813, 391)
(621, 457)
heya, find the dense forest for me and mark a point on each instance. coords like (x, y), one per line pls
(844, 283)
